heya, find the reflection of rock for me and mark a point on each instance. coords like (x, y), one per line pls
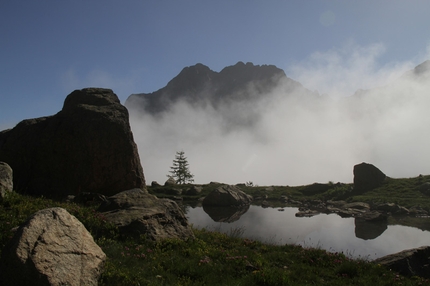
(412, 262)
(225, 214)
(369, 229)
(307, 213)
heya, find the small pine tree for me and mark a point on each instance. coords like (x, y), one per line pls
(180, 170)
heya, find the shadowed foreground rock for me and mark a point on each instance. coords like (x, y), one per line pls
(412, 262)
(6, 179)
(227, 195)
(136, 212)
(86, 147)
(51, 248)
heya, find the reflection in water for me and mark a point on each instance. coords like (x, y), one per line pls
(369, 229)
(330, 232)
(225, 214)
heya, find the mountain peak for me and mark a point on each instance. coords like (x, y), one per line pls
(422, 68)
(199, 84)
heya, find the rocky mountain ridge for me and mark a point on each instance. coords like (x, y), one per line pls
(198, 85)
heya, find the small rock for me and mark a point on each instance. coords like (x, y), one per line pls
(170, 182)
(155, 184)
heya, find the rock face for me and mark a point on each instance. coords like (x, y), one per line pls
(86, 147)
(198, 83)
(227, 195)
(412, 262)
(51, 248)
(136, 213)
(238, 86)
(6, 179)
(367, 177)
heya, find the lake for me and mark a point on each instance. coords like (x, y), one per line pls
(330, 232)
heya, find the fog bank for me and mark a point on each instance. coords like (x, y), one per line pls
(297, 139)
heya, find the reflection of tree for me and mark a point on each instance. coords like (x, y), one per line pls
(225, 214)
(369, 229)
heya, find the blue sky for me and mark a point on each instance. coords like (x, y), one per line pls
(49, 48)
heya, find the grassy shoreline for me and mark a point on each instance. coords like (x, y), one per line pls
(215, 258)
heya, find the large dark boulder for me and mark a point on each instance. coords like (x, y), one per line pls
(367, 177)
(86, 147)
(411, 262)
(136, 212)
(51, 248)
(227, 195)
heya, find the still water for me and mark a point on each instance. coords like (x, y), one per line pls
(329, 232)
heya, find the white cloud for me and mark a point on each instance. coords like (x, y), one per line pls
(297, 140)
(342, 71)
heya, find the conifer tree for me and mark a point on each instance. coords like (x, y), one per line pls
(180, 170)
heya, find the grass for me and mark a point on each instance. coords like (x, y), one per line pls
(211, 258)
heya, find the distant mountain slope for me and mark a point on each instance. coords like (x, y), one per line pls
(199, 85)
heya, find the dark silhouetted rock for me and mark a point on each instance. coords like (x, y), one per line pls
(315, 188)
(51, 248)
(155, 184)
(6, 179)
(412, 262)
(227, 195)
(367, 177)
(137, 213)
(86, 147)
